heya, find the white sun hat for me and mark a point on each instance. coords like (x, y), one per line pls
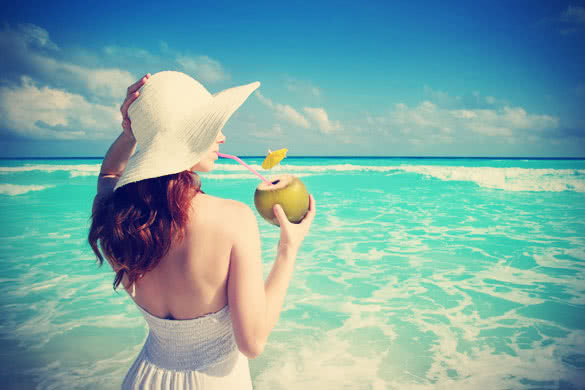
(175, 120)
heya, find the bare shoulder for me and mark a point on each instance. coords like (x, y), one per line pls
(223, 211)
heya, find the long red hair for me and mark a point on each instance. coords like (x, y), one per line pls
(133, 228)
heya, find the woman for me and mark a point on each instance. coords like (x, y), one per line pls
(189, 260)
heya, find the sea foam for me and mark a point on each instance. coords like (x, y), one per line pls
(509, 179)
(16, 189)
(74, 170)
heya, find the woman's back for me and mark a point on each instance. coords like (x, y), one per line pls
(191, 280)
(184, 299)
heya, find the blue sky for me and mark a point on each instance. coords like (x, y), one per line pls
(493, 78)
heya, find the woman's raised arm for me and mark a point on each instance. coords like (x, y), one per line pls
(121, 149)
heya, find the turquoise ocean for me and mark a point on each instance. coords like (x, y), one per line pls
(418, 274)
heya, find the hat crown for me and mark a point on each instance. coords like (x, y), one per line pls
(164, 104)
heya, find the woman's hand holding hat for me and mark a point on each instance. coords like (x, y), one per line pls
(131, 95)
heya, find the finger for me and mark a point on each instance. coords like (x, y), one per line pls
(127, 102)
(312, 204)
(134, 87)
(308, 219)
(280, 215)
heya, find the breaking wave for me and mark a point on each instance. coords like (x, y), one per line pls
(15, 189)
(509, 179)
(74, 170)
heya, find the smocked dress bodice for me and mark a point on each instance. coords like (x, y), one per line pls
(199, 353)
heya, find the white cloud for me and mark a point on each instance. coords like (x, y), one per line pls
(443, 98)
(471, 100)
(131, 52)
(490, 100)
(319, 115)
(203, 68)
(573, 18)
(292, 115)
(302, 87)
(430, 123)
(51, 113)
(275, 133)
(25, 57)
(52, 92)
(284, 111)
(446, 119)
(36, 36)
(104, 82)
(464, 114)
(574, 14)
(264, 100)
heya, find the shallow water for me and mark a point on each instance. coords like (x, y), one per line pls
(418, 274)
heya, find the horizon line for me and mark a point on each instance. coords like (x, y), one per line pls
(330, 156)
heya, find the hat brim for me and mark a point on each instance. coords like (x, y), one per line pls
(201, 130)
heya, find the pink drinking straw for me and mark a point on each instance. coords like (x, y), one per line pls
(244, 164)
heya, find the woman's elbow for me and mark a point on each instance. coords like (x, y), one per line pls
(252, 349)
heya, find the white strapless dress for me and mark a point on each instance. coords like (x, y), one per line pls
(200, 353)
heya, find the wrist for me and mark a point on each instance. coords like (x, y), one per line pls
(288, 250)
(128, 138)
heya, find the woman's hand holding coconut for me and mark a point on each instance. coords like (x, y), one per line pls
(293, 234)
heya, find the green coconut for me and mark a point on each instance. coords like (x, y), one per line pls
(286, 190)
